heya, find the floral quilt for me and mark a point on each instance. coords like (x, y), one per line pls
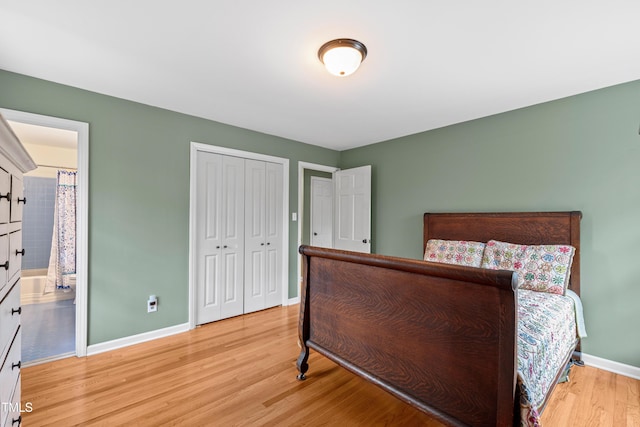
(546, 336)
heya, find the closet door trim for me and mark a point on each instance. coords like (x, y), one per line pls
(195, 147)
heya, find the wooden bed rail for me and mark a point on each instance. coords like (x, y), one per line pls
(442, 338)
(503, 279)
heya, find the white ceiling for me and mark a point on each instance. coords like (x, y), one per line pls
(254, 64)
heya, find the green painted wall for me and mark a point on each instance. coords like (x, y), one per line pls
(139, 198)
(578, 153)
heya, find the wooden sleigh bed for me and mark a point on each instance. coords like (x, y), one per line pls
(443, 338)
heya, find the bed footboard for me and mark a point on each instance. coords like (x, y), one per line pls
(440, 337)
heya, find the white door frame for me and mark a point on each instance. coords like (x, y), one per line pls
(82, 211)
(194, 148)
(301, 168)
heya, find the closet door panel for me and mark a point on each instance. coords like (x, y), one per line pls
(209, 241)
(273, 225)
(274, 280)
(255, 237)
(233, 202)
(232, 298)
(233, 235)
(220, 236)
(254, 284)
(211, 289)
(240, 248)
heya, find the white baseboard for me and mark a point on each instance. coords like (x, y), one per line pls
(136, 339)
(611, 366)
(293, 301)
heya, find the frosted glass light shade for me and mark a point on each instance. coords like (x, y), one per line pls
(342, 57)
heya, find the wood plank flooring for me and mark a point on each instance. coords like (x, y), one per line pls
(241, 372)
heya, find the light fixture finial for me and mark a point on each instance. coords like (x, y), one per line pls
(342, 57)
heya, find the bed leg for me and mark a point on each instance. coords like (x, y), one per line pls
(576, 358)
(304, 328)
(302, 364)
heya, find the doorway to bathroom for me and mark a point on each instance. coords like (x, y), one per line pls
(53, 279)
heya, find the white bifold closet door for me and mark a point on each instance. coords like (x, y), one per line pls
(238, 236)
(220, 237)
(263, 235)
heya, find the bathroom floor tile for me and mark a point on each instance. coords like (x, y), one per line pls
(48, 329)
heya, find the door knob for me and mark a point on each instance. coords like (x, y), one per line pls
(365, 241)
(315, 234)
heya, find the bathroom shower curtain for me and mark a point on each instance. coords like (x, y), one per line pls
(62, 262)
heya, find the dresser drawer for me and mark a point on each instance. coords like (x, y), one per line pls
(13, 413)
(4, 263)
(16, 252)
(10, 311)
(17, 198)
(10, 370)
(5, 195)
(10, 384)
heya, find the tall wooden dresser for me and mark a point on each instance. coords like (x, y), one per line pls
(14, 161)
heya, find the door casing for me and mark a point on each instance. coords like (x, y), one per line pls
(82, 211)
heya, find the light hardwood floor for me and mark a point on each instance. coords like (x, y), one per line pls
(241, 371)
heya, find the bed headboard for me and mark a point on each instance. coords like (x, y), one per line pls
(526, 228)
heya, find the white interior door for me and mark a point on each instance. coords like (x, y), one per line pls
(353, 209)
(219, 237)
(321, 212)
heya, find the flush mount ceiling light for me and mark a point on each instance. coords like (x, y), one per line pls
(342, 57)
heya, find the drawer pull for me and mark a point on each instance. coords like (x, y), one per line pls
(16, 365)
(23, 200)
(6, 196)
(16, 420)
(18, 310)
(20, 252)
(5, 265)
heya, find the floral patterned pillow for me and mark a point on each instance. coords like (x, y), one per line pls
(503, 256)
(458, 252)
(546, 268)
